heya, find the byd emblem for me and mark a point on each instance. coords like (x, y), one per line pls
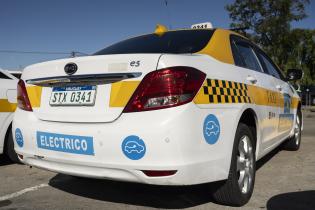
(71, 68)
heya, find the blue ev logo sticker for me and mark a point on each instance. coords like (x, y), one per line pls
(133, 147)
(211, 129)
(19, 137)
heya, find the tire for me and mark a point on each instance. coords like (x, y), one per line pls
(293, 143)
(9, 149)
(242, 170)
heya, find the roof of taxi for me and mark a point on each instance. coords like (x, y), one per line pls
(190, 29)
(219, 45)
(231, 31)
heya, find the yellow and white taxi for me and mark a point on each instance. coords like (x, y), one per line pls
(8, 83)
(180, 107)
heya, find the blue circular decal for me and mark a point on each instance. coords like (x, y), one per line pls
(133, 147)
(19, 137)
(211, 129)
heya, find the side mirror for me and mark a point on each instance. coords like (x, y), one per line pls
(294, 74)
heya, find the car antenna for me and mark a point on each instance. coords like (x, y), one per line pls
(168, 14)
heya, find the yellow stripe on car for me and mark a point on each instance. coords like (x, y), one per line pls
(264, 97)
(295, 102)
(219, 46)
(214, 91)
(222, 91)
(6, 106)
(121, 92)
(34, 94)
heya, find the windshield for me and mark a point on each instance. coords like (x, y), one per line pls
(174, 42)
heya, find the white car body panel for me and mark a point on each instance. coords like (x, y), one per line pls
(7, 97)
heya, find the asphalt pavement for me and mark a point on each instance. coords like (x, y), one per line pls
(285, 180)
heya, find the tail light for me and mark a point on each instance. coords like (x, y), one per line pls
(22, 97)
(166, 88)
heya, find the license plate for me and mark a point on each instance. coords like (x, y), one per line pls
(73, 96)
(82, 145)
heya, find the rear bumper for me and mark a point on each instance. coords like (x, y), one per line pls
(173, 138)
(185, 175)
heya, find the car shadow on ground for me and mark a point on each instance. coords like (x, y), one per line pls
(4, 160)
(166, 197)
(294, 200)
(268, 157)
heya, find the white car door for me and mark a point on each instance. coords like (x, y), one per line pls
(266, 93)
(285, 117)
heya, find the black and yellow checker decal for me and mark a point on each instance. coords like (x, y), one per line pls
(216, 91)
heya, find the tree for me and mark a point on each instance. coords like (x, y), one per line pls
(267, 22)
(301, 53)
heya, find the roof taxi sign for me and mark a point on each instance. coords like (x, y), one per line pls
(206, 25)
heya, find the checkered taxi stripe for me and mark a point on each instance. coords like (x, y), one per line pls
(222, 91)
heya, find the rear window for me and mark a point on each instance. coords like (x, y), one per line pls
(17, 75)
(174, 42)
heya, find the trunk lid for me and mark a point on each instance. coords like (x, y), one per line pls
(113, 77)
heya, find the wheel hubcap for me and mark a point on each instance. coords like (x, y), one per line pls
(297, 130)
(245, 164)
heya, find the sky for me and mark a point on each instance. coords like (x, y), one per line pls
(89, 25)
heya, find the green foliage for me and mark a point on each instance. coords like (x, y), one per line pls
(267, 23)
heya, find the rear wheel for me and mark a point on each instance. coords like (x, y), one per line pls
(9, 150)
(238, 188)
(294, 142)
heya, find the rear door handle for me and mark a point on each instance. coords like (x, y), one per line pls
(251, 79)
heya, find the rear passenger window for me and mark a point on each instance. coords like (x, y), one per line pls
(238, 60)
(3, 76)
(248, 56)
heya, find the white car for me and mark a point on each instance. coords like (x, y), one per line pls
(180, 107)
(8, 83)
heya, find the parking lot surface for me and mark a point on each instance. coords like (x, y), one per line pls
(284, 180)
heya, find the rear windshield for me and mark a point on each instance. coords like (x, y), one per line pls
(17, 75)
(174, 42)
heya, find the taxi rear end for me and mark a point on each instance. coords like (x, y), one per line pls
(122, 114)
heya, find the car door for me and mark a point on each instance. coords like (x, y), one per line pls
(263, 88)
(284, 96)
(4, 112)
